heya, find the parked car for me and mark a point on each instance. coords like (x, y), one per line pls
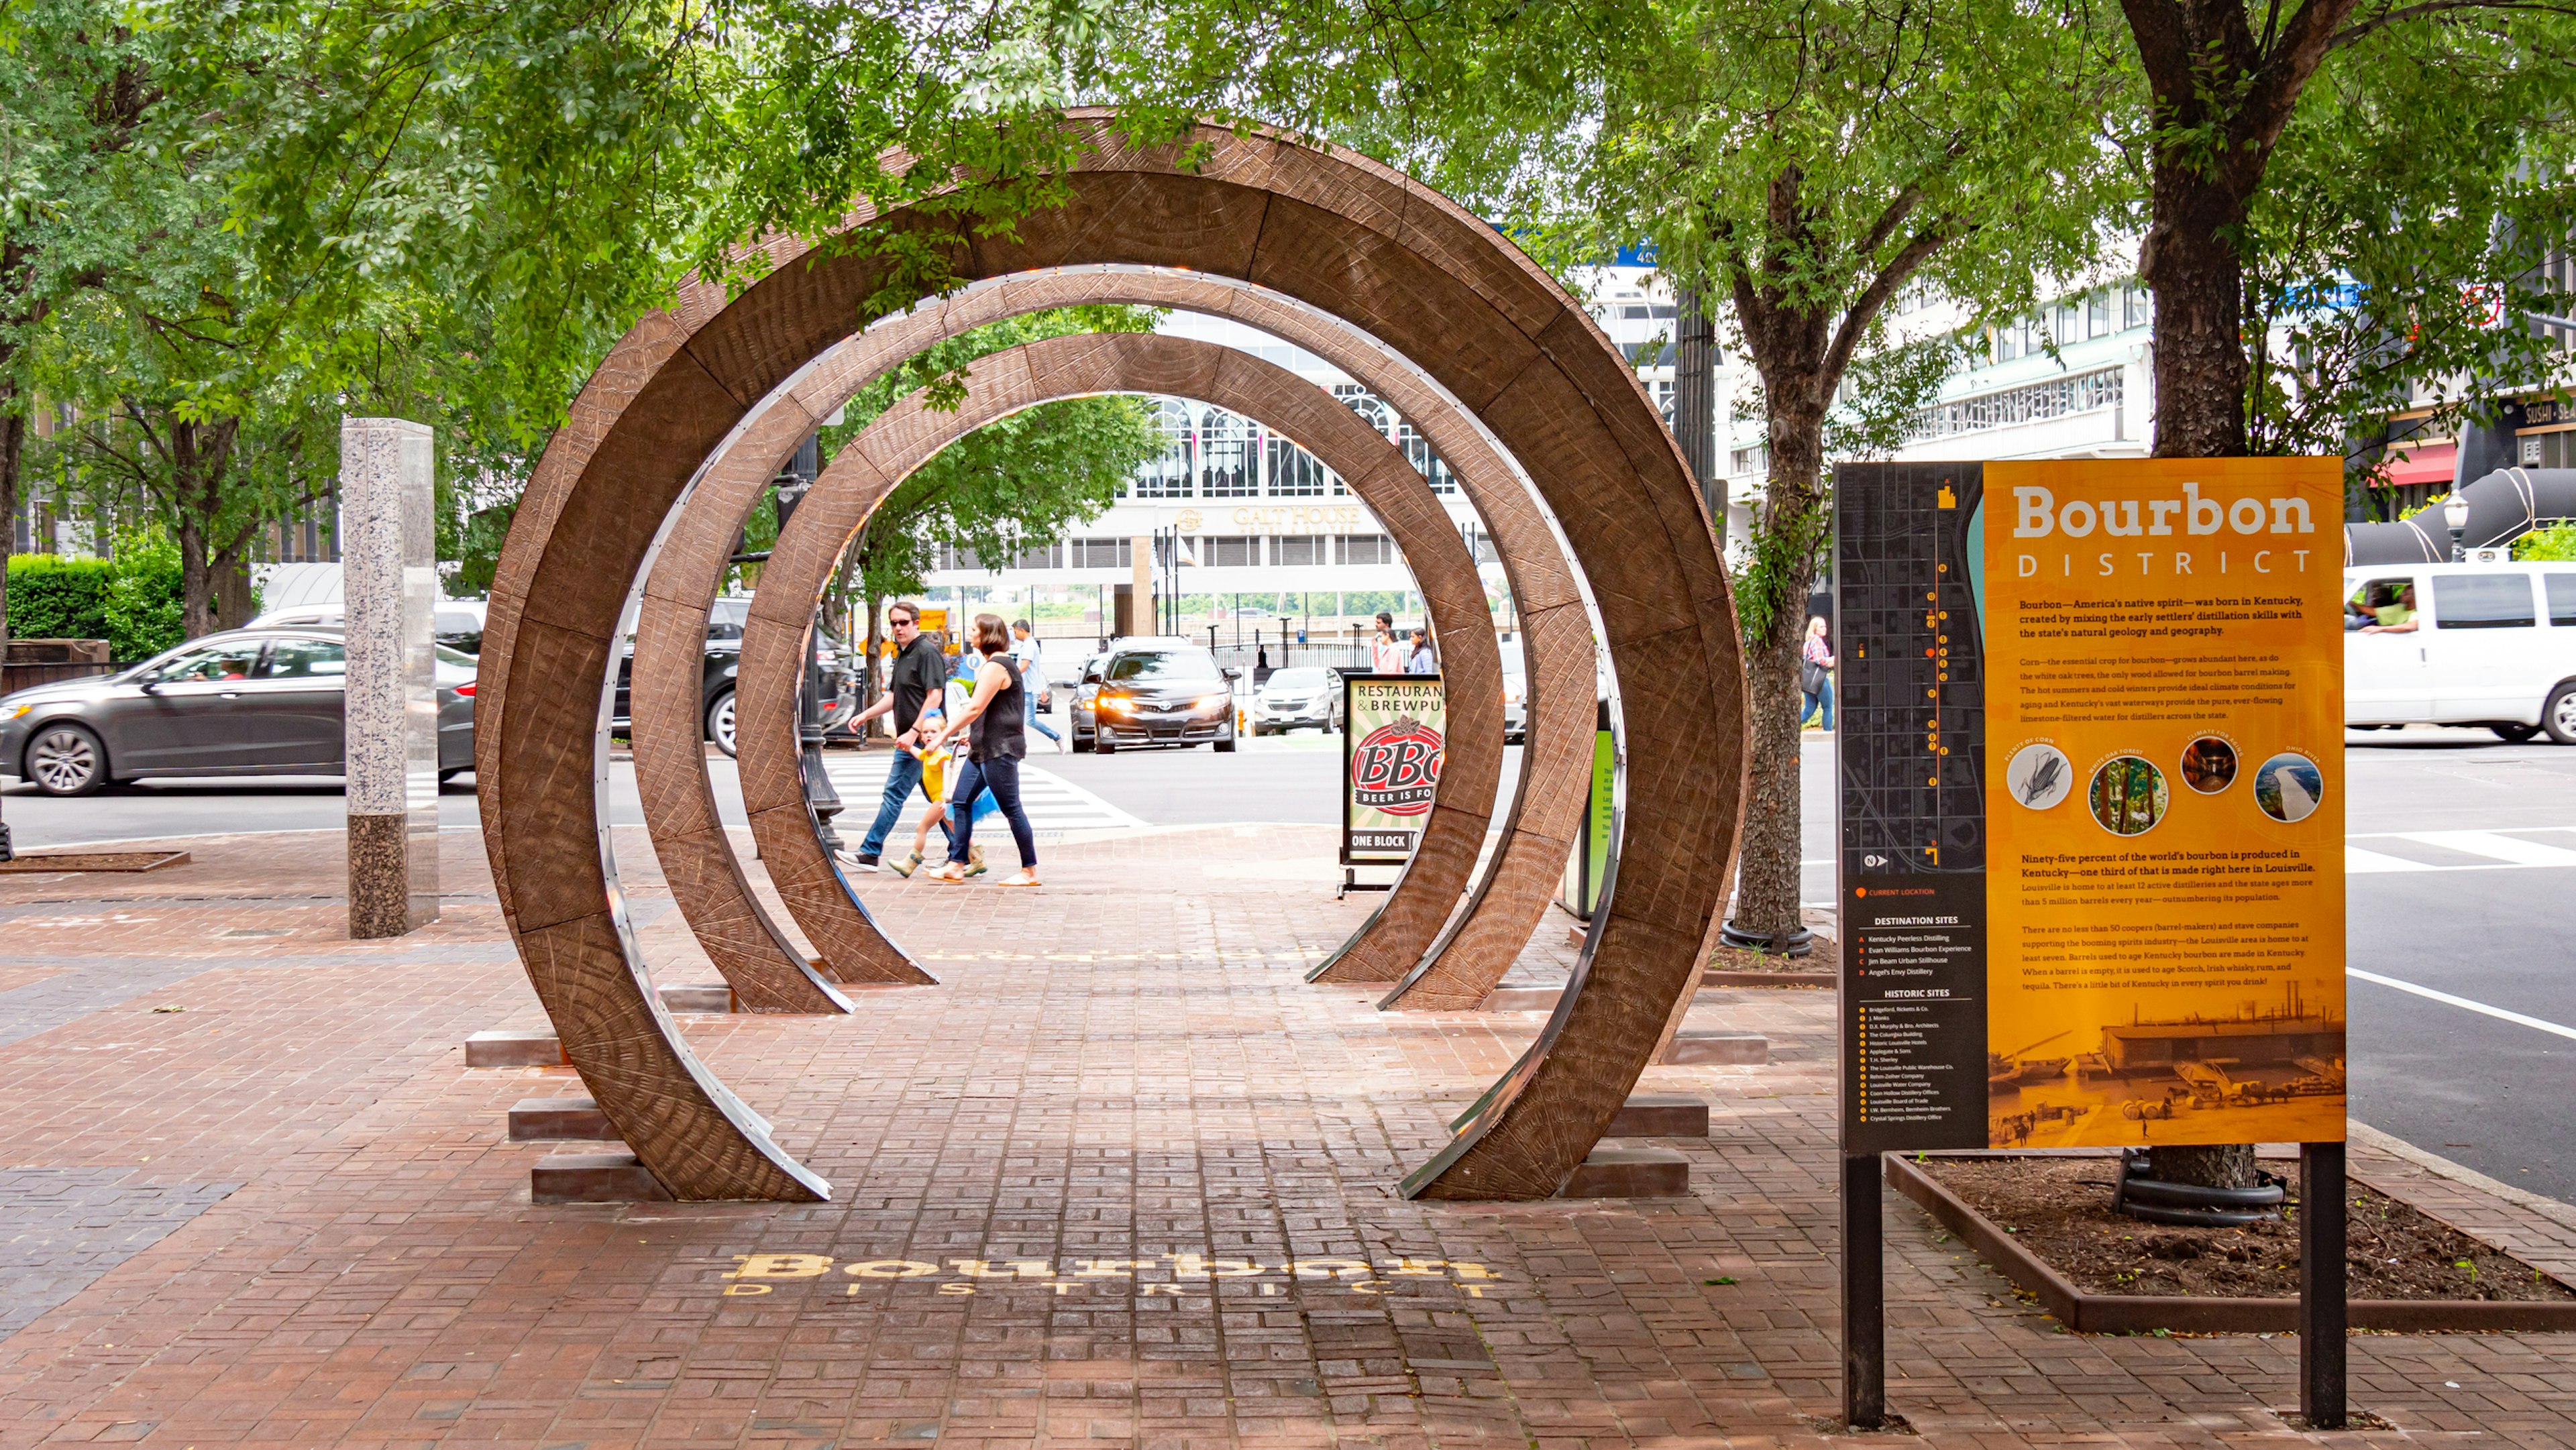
(457, 623)
(1298, 697)
(2462, 644)
(1155, 691)
(243, 702)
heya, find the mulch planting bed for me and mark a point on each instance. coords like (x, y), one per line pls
(96, 861)
(1824, 964)
(2059, 1209)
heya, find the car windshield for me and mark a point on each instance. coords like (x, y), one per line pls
(458, 658)
(1302, 678)
(1172, 667)
(726, 617)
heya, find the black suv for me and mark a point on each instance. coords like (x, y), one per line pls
(725, 619)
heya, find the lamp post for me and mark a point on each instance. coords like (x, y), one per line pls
(2455, 514)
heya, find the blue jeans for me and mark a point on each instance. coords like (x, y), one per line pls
(1002, 778)
(902, 778)
(1808, 703)
(1037, 722)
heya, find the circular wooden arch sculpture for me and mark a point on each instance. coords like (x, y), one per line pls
(1460, 966)
(1328, 228)
(871, 465)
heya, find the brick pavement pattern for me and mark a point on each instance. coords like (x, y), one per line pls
(1124, 1179)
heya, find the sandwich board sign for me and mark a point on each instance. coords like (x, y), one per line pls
(1392, 745)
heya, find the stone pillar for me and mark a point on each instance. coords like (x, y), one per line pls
(389, 577)
(1143, 618)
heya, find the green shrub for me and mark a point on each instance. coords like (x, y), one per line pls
(52, 597)
(131, 601)
(2555, 544)
(144, 613)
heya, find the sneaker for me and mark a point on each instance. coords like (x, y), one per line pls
(976, 866)
(865, 861)
(905, 867)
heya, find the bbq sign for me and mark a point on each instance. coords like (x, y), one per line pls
(1391, 751)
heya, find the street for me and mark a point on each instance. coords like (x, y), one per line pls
(2463, 1030)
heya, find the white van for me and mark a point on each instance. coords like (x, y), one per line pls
(2462, 644)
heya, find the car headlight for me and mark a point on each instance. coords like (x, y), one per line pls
(1212, 704)
(12, 712)
(1511, 697)
(1111, 702)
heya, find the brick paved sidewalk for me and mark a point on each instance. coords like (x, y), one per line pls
(1123, 1178)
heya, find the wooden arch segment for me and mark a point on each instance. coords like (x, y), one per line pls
(880, 458)
(1479, 943)
(1328, 229)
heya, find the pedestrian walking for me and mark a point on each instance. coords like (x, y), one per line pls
(1815, 674)
(1025, 654)
(992, 721)
(1422, 661)
(912, 690)
(1386, 657)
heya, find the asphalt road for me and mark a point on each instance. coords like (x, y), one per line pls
(2463, 1030)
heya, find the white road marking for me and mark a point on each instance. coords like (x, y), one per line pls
(1053, 803)
(2358, 862)
(2510, 849)
(2464, 1003)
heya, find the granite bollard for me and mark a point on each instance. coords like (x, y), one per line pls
(389, 578)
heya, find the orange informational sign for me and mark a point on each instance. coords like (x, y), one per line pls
(2093, 791)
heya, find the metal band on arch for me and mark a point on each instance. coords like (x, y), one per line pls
(1327, 228)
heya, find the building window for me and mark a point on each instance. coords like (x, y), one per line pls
(1366, 549)
(1293, 472)
(1226, 456)
(1289, 549)
(1756, 459)
(1417, 451)
(1169, 475)
(953, 559)
(2097, 314)
(1050, 557)
(1481, 546)
(1098, 553)
(2056, 398)
(1229, 551)
(2133, 307)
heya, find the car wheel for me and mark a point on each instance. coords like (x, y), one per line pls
(1103, 745)
(1225, 746)
(2515, 733)
(2558, 717)
(720, 722)
(1081, 743)
(66, 760)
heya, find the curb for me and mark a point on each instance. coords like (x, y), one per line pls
(2141, 1313)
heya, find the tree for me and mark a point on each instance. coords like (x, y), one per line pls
(2232, 91)
(1804, 162)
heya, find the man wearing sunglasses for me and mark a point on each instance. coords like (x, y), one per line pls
(919, 675)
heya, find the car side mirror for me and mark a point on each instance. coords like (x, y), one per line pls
(150, 684)
(1233, 672)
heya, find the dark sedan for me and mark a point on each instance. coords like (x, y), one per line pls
(244, 702)
(1163, 694)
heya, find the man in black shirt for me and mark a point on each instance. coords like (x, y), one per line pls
(920, 673)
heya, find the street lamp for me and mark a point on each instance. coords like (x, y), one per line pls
(2455, 514)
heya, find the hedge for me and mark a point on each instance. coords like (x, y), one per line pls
(131, 601)
(52, 597)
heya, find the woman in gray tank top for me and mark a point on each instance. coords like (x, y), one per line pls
(995, 720)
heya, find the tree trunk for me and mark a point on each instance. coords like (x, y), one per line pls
(196, 582)
(234, 603)
(2191, 264)
(868, 662)
(2223, 1165)
(1784, 540)
(13, 442)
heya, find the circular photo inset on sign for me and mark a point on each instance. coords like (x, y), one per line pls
(2129, 795)
(2038, 776)
(2289, 787)
(2209, 765)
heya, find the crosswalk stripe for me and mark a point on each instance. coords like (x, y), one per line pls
(2511, 849)
(1053, 803)
(2358, 862)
